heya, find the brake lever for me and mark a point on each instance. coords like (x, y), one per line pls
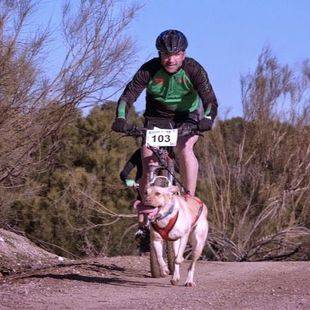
(134, 131)
(190, 131)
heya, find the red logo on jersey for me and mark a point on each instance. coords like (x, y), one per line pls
(159, 80)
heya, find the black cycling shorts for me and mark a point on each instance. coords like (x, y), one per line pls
(175, 122)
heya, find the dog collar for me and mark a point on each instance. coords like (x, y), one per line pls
(171, 209)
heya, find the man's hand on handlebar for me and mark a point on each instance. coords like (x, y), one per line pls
(120, 125)
(187, 129)
(205, 124)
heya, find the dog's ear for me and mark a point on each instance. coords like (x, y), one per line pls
(174, 190)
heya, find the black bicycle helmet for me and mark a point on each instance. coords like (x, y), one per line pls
(171, 41)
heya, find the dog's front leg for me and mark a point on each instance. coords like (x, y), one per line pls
(183, 242)
(178, 247)
(176, 274)
(197, 240)
(157, 244)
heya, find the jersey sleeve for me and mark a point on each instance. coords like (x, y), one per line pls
(134, 161)
(132, 90)
(201, 83)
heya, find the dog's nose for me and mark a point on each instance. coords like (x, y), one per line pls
(147, 200)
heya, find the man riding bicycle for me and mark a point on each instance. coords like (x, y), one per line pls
(178, 94)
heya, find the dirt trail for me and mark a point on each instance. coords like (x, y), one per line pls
(125, 283)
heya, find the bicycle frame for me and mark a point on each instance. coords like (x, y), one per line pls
(163, 169)
(165, 164)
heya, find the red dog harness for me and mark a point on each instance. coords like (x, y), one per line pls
(164, 231)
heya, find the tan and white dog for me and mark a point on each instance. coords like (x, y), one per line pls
(179, 219)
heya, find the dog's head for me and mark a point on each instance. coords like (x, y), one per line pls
(159, 197)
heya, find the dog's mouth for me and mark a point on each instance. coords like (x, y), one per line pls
(151, 212)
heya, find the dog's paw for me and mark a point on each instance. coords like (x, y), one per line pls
(179, 260)
(174, 281)
(190, 284)
(164, 272)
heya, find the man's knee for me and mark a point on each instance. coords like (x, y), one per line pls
(186, 145)
(185, 152)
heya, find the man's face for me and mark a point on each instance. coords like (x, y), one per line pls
(172, 62)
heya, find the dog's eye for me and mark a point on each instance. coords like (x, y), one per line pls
(157, 194)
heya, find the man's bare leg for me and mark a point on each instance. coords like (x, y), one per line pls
(188, 162)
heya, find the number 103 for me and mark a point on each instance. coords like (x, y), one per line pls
(161, 138)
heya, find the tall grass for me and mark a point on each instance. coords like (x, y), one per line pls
(256, 169)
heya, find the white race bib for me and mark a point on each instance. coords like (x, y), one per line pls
(161, 137)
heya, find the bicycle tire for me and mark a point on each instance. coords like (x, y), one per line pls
(154, 266)
(168, 251)
(170, 256)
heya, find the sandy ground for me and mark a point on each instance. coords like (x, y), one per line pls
(125, 283)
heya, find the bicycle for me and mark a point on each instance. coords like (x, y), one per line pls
(162, 173)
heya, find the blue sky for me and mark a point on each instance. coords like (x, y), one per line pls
(225, 36)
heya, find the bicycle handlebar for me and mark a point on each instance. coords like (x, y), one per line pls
(182, 131)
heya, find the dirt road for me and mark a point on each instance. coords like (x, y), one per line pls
(125, 283)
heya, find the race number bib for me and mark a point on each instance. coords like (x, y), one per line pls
(161, 137)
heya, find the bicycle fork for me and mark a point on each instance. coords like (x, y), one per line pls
(158, 170)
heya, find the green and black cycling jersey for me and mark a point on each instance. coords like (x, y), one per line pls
(169, 95)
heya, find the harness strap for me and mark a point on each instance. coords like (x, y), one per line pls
(164, 232)
(188, 196)
(198, 215)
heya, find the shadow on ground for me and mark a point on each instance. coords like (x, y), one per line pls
(94, 279)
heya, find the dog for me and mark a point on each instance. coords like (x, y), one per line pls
(179, 219)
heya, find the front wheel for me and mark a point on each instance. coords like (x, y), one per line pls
(170, 256)
(155, 270)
